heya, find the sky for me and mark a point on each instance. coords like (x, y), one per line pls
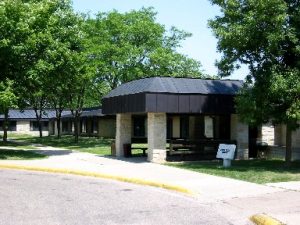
(188, 15)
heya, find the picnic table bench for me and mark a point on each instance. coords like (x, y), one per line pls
(200, 146)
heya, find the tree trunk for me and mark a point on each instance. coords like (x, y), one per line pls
(58, 127)
(38, 114)
(5, 126)
(288, 153)
(40, 128)
(76, 128)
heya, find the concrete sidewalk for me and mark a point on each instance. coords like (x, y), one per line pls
(210, 188)
(225, 194)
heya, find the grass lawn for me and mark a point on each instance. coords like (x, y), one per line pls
(7, 154)
(100, 146)
(256, 171)
(86, 144)
(17, 145)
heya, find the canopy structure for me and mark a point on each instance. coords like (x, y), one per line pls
(160, 109)
(172, 95)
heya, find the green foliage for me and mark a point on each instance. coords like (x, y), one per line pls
(132, 45)
(8, 98)
(60, 59)
(265, 35)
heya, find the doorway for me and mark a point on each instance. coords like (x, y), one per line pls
(253, 135)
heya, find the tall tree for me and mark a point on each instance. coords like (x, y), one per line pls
(13, 33)
(128, 46)
(265, 35)
(82, 81)
(54, 40)
(8, 100)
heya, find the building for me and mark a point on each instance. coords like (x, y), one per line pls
(275, 136)
(92, 124)
(24, 122)
(187, 113)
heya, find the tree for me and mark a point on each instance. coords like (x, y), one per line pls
(265, 35)
(7, 100)
(54, 40)
(61, 55)
(82, 81)
(128, 46)
(13, 33)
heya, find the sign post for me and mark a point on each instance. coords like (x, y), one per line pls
(226, 152)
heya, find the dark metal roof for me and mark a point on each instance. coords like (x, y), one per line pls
(97, 112)
(177, 86)
(29, 114)
(88, 112)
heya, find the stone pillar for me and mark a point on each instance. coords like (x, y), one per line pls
(123, 132)
(55, 127)
(268, 133)
(157, 137)
(240, 133)
(50, 127)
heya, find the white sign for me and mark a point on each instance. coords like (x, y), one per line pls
(226, 151)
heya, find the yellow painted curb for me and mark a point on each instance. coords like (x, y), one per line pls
(263, 219)
(105, 176)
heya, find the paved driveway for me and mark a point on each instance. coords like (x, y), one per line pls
(237, 199)
(208, 187)
(50, 199)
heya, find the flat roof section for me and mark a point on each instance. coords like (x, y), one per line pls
(173, 95)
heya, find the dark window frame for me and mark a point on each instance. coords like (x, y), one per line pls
(34, 126)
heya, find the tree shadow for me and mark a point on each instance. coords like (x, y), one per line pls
(53, 152)
(134, 159)
(7, 154)
(277, 166)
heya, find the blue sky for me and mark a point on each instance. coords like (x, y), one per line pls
(188, 15)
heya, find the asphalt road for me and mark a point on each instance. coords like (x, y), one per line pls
(44, 198)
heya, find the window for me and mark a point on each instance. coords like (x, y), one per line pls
(12, 126)
(45, 125)
(34, 126)
(65, 126)
(95, 126)
(169, 128)
(139, 126)
(83, 126)
(184, 127)
(222, 127)
(208, 127)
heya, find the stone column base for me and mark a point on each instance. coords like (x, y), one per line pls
(157, 155)
(242, 154)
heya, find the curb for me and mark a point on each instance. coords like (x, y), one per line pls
(263, 219)
(104, 176)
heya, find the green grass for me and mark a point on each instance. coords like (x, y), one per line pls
(94, 145)
(18, 136)
(18, 145)
(256, 171)
(7, 154)
(100, 146)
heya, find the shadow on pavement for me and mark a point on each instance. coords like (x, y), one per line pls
(53, 152)
(134, 159)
